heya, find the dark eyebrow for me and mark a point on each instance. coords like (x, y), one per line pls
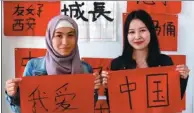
(58, 32)
(71, 32)
(139, 28)
(143, 27)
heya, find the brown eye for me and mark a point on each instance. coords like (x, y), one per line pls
(71, 34)
(131, 32)
(59, 36)
(143, 30)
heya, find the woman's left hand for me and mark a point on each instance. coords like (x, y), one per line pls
(183, 70)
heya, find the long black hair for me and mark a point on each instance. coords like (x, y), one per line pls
(153, 46)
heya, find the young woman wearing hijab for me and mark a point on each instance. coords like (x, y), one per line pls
(141, 49)
(62, 57)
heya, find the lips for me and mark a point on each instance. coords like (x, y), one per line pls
(65, 48)
(139, 42)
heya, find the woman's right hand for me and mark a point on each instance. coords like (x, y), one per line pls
(12, 85)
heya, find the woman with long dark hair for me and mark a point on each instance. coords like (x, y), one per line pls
(141, 48)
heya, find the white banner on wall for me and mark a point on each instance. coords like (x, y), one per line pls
(96, 19)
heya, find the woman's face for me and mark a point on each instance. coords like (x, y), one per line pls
(64, 40)
(138, 35)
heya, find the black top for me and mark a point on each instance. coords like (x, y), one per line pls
(119, 64)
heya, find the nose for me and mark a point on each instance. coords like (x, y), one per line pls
(137, 36)
(64, 40)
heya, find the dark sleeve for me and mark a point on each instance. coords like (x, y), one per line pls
(116, 64)
(167, 61)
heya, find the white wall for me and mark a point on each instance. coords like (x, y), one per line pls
(107, 49)
(0, 51)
